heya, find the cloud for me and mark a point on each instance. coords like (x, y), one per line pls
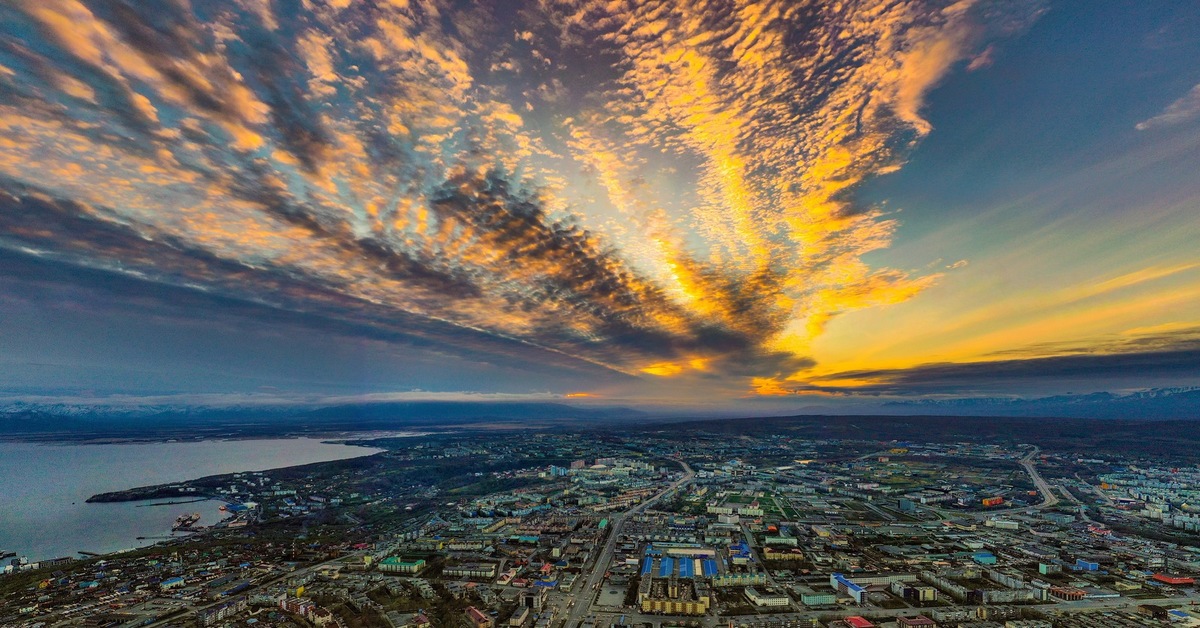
(159, 278)
(270, 399)
(983, 60)
(1149, 357)
(1185, 108)
(656, 189)
(1102, 370)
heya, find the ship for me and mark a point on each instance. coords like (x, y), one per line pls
(185, 522)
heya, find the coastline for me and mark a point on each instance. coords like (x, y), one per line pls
(62, 477)
(189, 488)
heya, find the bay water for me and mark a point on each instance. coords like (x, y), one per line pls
(44, 488)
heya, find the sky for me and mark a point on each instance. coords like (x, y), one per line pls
(719, 203)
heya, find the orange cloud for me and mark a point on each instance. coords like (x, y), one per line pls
(685, 215)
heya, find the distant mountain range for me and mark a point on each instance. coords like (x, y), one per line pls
(153, 421)
(156, 421)
(1156, 403)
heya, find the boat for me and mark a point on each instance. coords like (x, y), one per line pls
(185, 521)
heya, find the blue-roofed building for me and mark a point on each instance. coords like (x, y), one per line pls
(686, 569)
(237, 589)
(666, 567)
(847, 586)
(647, 565)
(984, 558)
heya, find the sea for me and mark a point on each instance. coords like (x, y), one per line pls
(44, 488)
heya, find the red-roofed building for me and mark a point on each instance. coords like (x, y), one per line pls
(1070, 594)
(920, 621)
(858, 622)
(1173, 580)
(478, 618)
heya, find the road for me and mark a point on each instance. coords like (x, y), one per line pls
(887, 516)
(590, 586)
(754, 553)
(1083, 516)
(1068, 608)
(1048, 498)
(1103, 494)
(801, 617)
(191, 612)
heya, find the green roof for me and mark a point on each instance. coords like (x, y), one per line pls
(392, 560)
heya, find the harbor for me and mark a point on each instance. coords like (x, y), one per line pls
(185, 521)
(34, 473)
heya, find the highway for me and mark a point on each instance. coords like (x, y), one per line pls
(580, 609)
(1048, 497)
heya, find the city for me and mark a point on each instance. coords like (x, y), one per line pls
(553, 529)
(599, 313)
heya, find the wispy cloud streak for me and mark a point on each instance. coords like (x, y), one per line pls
(1187, 107)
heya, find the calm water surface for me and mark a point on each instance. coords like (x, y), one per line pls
(43, 488)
